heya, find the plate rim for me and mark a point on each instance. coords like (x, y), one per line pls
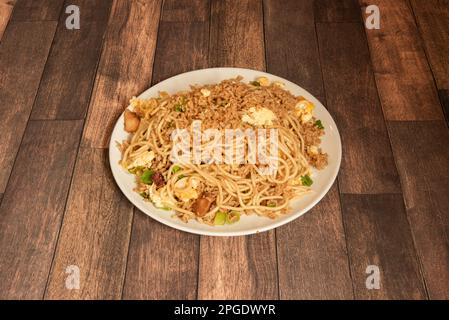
(276, 223)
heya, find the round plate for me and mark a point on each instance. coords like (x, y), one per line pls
(322, 180)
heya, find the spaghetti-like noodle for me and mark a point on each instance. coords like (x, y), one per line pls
(218, 193)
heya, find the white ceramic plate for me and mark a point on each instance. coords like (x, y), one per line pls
(322, 180)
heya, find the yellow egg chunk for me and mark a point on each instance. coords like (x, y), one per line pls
(185, 189)
(144, 160)
(278, 84)
(159, 198)
(263, 81)
(259, 117)
(312, 150)
(205, 92)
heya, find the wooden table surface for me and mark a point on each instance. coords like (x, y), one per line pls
(62, 90)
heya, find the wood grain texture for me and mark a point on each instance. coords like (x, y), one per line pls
(70, 71)
(432, 17)
(292, 49)
(403, 76)
(159, 268)
(6, 7)
(377, 234)
(42, 10)
(33, 205)
(421, 150)
(23, 53)
(367, 163)
(125, 66)
(95, 232)
(183, 37)
(312, 255)
(444, 99)
(237, 38)
(238, 267)
(337, 11)
(162, 262)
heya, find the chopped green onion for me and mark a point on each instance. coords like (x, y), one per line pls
(306, 180)
(181, 176)
(175, 169)
(319, 124)
(232, 217)
(179, 108)
(220, 218)
(147, 176)
(255, 83)
(271, 205)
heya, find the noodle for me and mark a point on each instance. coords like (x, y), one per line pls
(225, 188)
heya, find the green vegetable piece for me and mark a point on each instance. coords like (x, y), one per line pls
(175, 169)
(319, 124)
(179, 108)
(255, 83)
(147, 176)
(220, 218)
(306, 180)
(271, 205)
(232, 217)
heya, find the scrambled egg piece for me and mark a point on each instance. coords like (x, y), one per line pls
(263, 81)
(278, 84)
(142, 104)
(205, 92)
(259, 117)
(159, 199)
(304, 110)
(312, 150)
(186, 189)
(295, 182)
(143, 161)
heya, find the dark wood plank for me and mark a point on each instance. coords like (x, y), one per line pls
(246, 269)
(237, 38)
(33, 206)
(94, 234)
(125, 66)
(444, 99)
(292, 49)
(421, 150)
(162, 262)
(367, 163)
(6, 7)
(403, 76)
(318, 235)
(312, 255)
(23, 52)
(95, 202)
(183, 37)
(152, 273)
(32, 10)
(432, 17)
(381, 243)
(70, 71)
(337, 11)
